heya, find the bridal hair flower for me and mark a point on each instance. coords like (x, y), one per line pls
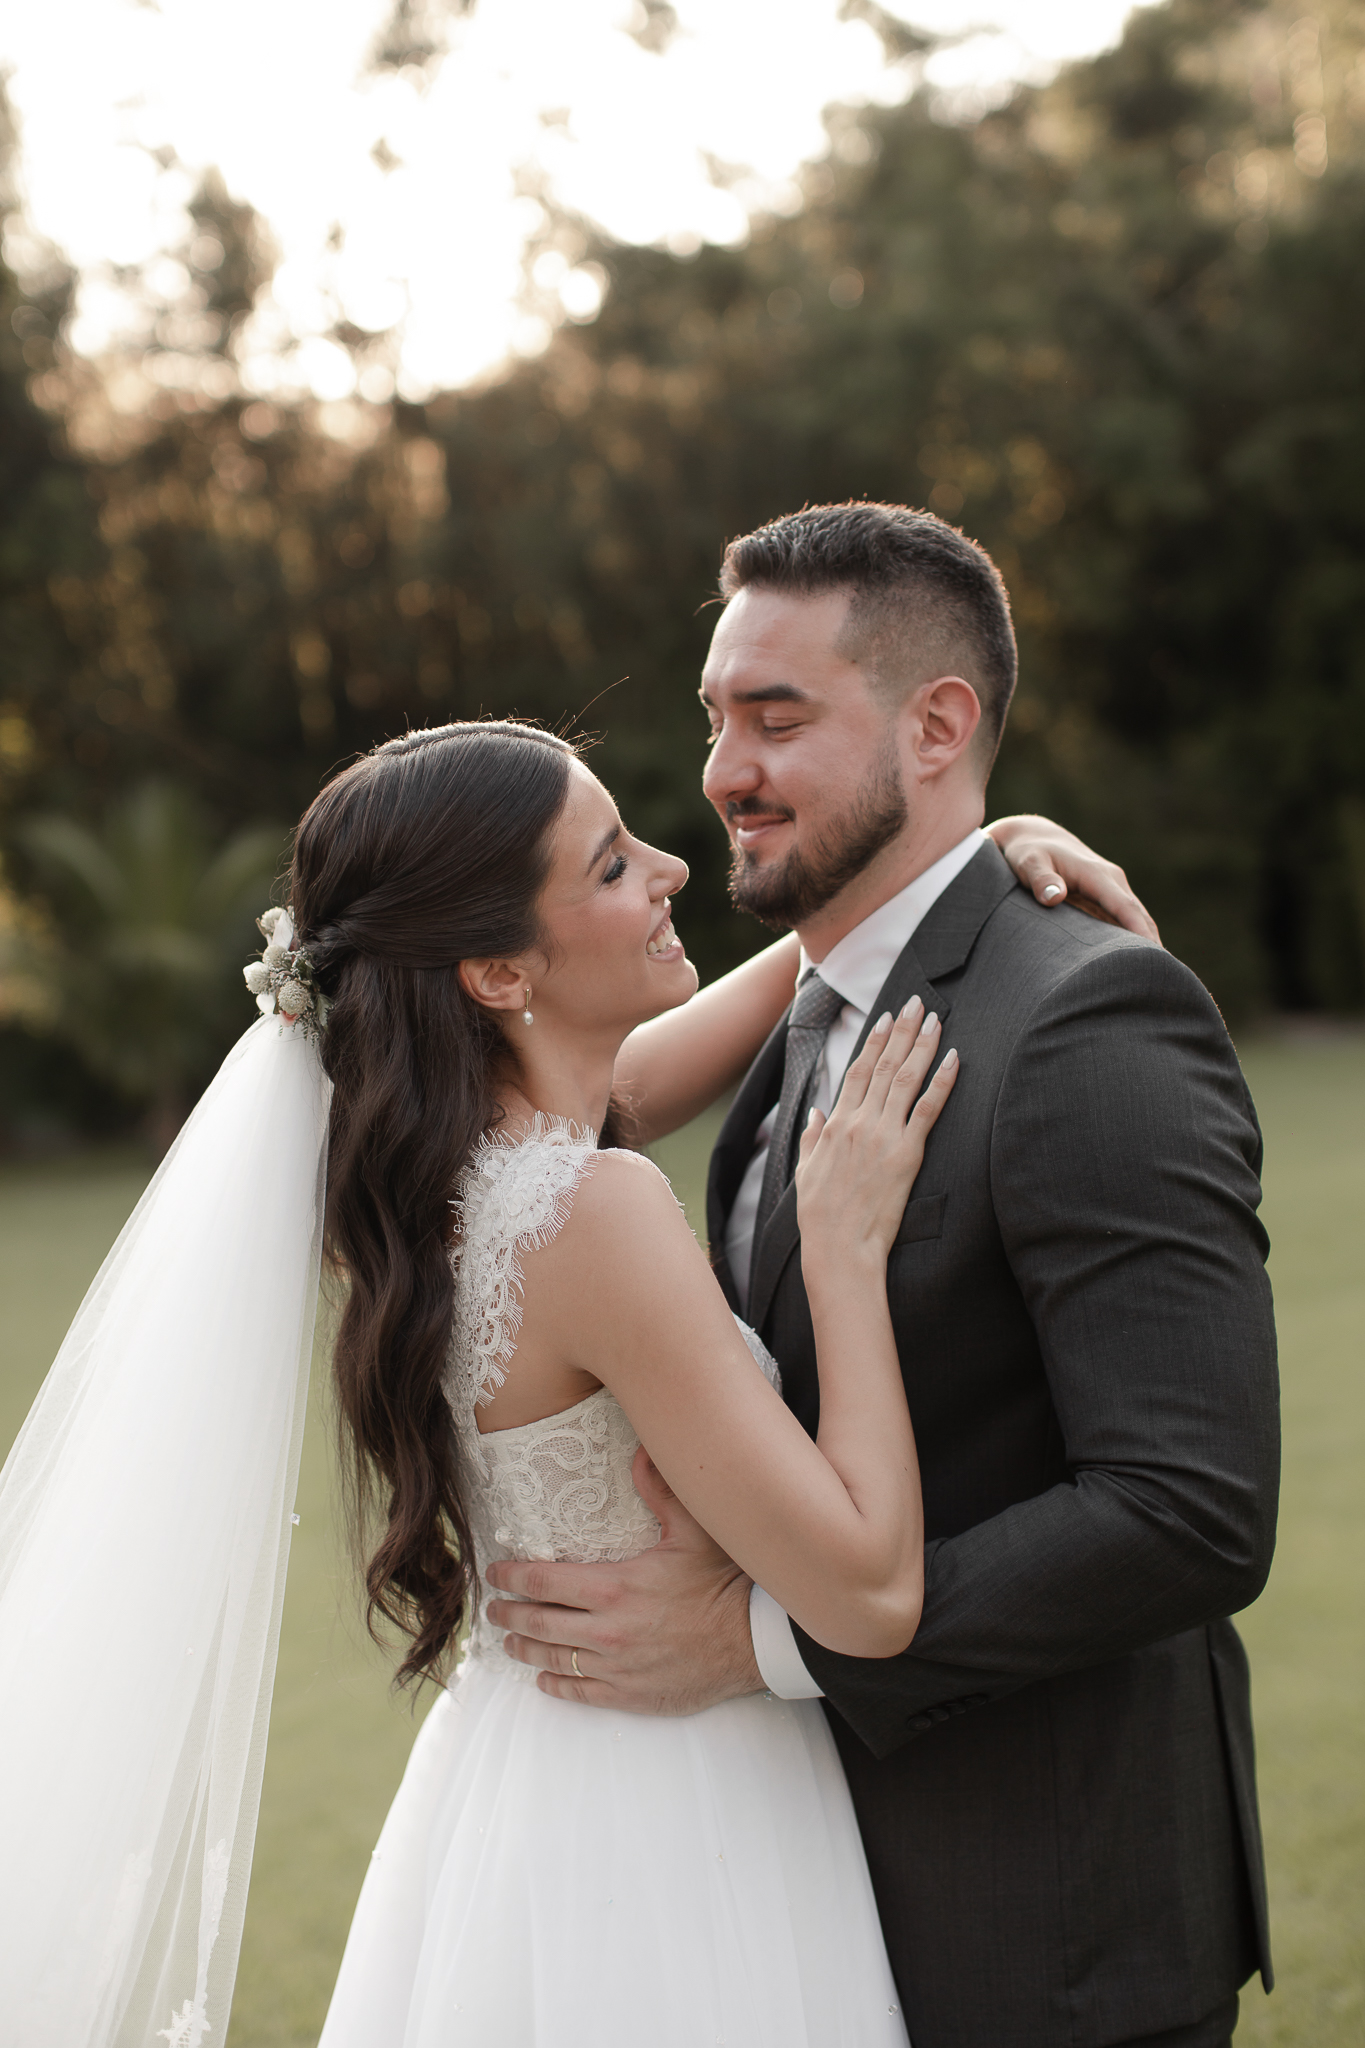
(282, 980)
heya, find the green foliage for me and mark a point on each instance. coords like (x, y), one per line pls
(154, 922)
(1111, 328)
(48, 534)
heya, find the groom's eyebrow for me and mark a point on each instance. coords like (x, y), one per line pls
(605, 844)
(769, 693)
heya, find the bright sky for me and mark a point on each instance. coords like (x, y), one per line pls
(425, 177)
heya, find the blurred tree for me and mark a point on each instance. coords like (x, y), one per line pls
(149, 925)
(49, 541)
(1111, 328)
(257, 615)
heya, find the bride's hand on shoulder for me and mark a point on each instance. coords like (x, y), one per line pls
(857, 1166)
(1060, 868)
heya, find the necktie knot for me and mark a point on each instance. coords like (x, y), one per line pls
(816, 1006)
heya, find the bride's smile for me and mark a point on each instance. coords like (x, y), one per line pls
(664, 944)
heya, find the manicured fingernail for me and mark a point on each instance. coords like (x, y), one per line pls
(912, 1007)
(1052, 890)
(949, 1058)
(810, 1119)
(930, 1024)
(883, 1022)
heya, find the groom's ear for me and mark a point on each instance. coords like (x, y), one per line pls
(494, 984)
(944, 716)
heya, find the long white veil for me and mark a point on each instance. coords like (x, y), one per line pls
(144, 1534)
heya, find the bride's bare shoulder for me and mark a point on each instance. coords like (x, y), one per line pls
(616, 1232)
(624, 1243)
(624, 1214)
(621, 1187)
(625, 1280)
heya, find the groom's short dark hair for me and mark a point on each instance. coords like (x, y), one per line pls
(923, 595)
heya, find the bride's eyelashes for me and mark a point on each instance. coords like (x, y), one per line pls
(616, 870)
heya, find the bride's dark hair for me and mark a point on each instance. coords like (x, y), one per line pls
(431, 850)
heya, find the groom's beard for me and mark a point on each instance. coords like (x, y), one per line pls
(792, 890)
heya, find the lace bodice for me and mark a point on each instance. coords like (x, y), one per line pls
(559, 1488)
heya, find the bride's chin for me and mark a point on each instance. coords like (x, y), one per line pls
(678, 986)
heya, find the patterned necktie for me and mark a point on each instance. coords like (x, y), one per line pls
(815, 1009)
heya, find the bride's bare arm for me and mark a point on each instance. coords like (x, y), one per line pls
(832, 1529)
(672, 1068)
(1061, 868)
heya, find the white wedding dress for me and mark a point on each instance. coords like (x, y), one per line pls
(559, 1876)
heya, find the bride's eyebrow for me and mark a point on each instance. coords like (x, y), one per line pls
(605, 844)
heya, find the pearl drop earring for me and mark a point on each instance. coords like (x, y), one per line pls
(526, 1016)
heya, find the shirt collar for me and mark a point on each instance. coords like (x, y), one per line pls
(858, 965)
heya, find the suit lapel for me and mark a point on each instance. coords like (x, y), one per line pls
(941, 944)
(950, 927)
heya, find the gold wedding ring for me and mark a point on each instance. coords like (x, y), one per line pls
(573, 1661)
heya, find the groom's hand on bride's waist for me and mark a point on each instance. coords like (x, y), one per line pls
(664, 1633)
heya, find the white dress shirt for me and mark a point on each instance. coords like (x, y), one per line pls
(856, 969)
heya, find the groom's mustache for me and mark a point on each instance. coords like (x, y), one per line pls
(750, 807)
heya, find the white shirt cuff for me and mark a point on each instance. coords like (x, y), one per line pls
(779, 1661)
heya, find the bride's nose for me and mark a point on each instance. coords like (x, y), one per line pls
(672, 875)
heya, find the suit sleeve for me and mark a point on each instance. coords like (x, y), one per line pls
(1124, 1165)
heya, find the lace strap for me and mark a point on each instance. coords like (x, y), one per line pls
(514, 1197)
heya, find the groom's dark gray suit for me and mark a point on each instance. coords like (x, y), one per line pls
(1055, 1782)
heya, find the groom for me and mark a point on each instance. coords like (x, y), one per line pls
(1055, 1781)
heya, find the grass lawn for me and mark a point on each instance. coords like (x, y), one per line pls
(338, 1741)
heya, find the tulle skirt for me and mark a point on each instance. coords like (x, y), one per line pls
(555, 1876)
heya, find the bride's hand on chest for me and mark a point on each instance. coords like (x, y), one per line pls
(858, 1165)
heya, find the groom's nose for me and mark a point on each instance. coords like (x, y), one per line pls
(730, 771)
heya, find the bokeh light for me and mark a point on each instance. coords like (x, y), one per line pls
(402, 200)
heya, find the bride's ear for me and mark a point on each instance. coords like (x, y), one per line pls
(494, 984)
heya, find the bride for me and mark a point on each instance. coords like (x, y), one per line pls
(475, 953)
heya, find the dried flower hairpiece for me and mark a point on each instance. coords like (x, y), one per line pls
(282, 980)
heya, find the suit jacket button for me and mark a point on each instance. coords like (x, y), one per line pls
(920, 1723)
